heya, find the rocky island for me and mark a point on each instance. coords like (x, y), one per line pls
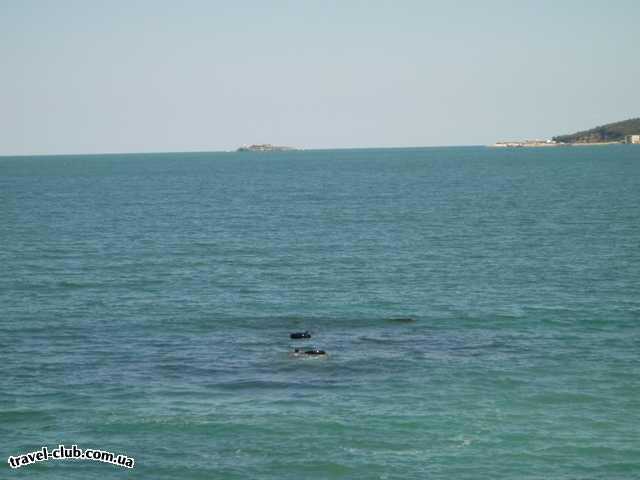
(264, 147)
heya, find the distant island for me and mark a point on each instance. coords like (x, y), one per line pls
(627, 131)
(264, 147)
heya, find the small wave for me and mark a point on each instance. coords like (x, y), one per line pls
(77, 285)
(385, 340)
(28, 416)
(254, 384)
(401, 320)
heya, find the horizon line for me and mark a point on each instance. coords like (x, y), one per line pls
(294, 149)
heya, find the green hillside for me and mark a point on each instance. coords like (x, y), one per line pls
(612, 132)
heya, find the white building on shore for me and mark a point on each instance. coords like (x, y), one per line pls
(632, 139)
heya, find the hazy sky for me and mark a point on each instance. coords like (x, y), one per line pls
(151, 75)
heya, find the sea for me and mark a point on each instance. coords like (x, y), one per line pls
(479, 307)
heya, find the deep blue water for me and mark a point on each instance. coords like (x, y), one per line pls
(146, 303)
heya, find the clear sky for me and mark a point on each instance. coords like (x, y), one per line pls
(82, 76)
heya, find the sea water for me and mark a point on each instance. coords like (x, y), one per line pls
(146, 303)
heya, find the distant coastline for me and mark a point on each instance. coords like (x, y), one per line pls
(626, 131)
(550, 143)
(264, 147)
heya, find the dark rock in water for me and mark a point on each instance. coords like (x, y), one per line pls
(299, 335)
(401, 320)
(315, 351)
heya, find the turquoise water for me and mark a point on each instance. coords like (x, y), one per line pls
(146, 303)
